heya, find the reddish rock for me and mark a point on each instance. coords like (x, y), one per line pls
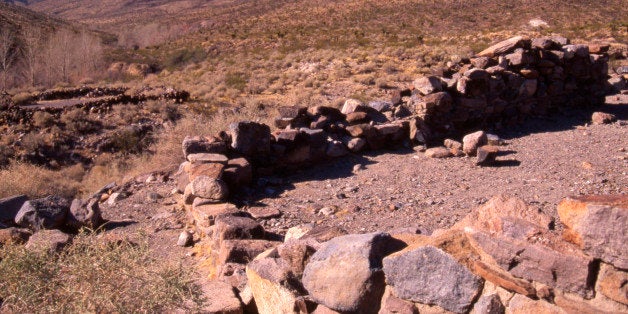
(394, 305)
(351, 106)
(238, 173)
(220, 299)
(204, 213)
(208, 188)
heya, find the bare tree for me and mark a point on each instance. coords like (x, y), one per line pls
(31, 51)
(8, 53)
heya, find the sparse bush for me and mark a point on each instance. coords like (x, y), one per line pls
(23, 98)
(93, 275)
(77, 120)
(236, 80)
(34, 143)
(42, 119)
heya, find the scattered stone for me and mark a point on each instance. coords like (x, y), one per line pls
(264, 212)
(430, 276)
(486, 155)
(44, 213)
(438, 152)
(345, 274)
(597, 224)
(603, 118)
(10, 206)
(471, 142)
(48, 240)
(336, 149)
(185, 239)
(324, 233)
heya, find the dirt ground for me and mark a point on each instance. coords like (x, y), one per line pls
(542, 161)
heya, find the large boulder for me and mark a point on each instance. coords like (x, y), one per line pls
(430, 276)
(597, 224)
(208, 188)
(44, 213)
(197, 144)
(502, 47)
(220, 299)
(345, 274)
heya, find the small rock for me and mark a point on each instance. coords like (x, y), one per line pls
(356, 144)
(185, 239)
(489, 304)
(486, 155)
(438, 152)
(115, 197)
(603, 118)
(327, 211)
(14, 236)
(85, 214)
(209, 188)
(265, 212)
(297, 232)
(471, 142)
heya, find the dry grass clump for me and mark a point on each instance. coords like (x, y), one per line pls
(93, 276)
(34, 181)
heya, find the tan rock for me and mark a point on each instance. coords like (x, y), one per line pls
(264, 212)
(486, 154)
(209, 188)
(572, 303)
(597, 224)
(391, 304)
(297, 232)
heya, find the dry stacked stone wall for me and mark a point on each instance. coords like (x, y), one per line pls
(504, 257)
